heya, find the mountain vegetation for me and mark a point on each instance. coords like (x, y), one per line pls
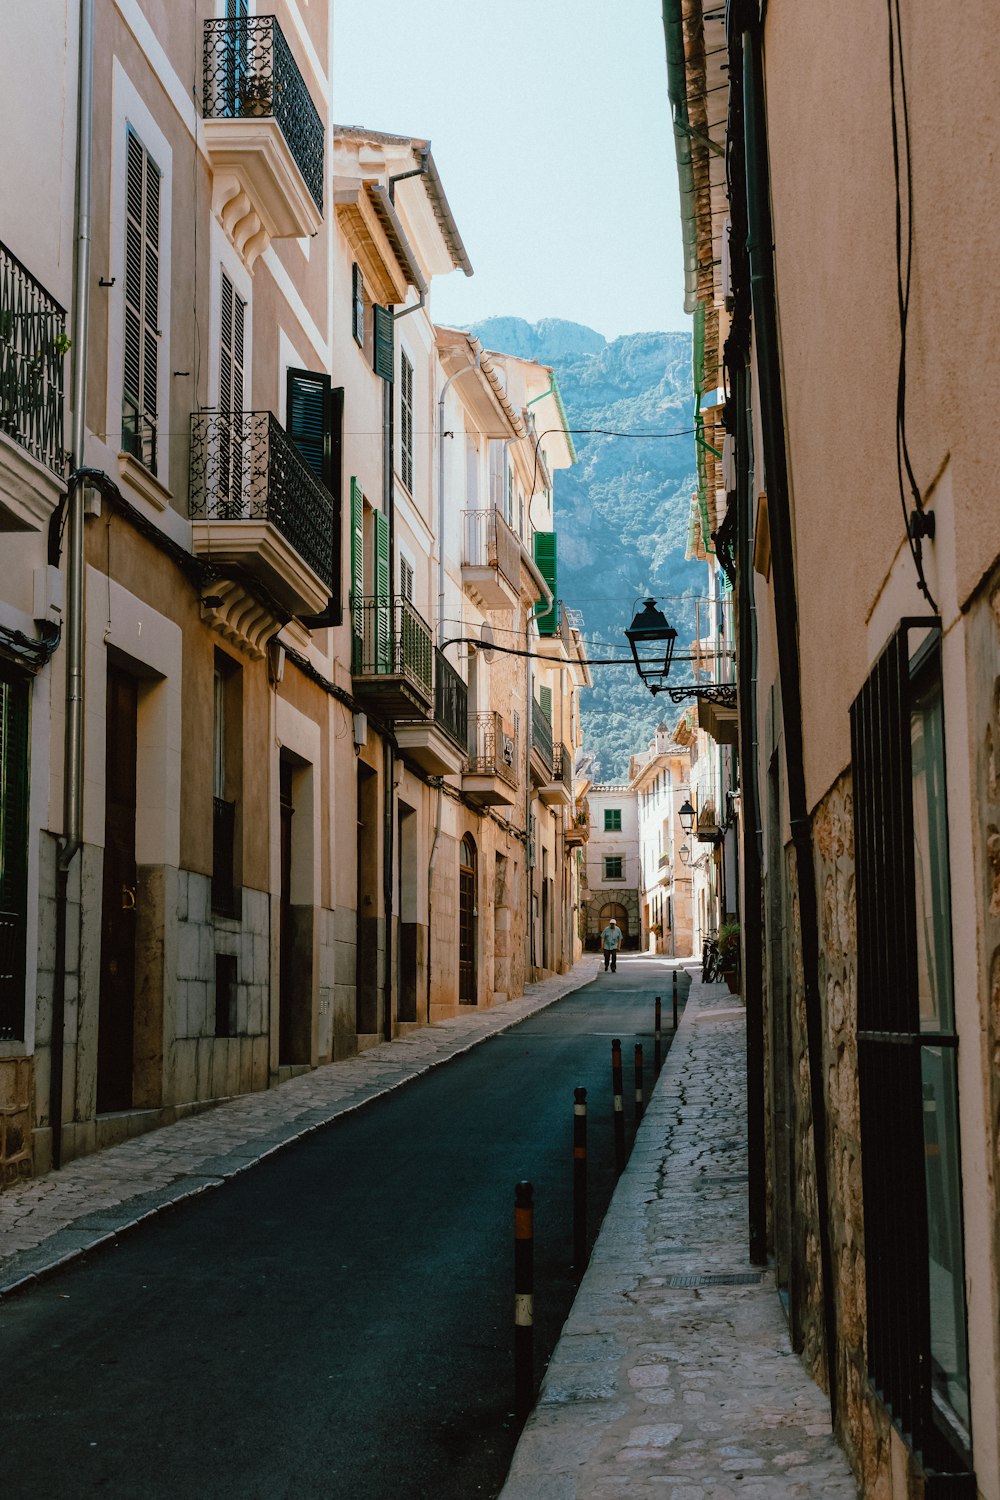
(622, 510)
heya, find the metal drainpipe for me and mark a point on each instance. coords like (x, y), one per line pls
(760, 245)
(73, 749)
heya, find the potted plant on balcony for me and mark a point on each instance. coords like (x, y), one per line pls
(729, 955)
(256, 95)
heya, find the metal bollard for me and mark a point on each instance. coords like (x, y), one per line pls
(640, 1095)
(524, 1298)
(579, 1181)
(675, 1000)
(658, 1039)
(619, 1104)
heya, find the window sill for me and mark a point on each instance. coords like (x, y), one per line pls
(143, 481)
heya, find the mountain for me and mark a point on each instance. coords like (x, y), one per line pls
(622, 510)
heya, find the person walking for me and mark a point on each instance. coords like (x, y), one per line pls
(611, 941)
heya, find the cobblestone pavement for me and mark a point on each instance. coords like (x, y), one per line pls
(49, 1220)
(672, 1377)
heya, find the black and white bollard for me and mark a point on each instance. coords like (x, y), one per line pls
(579, 1181)
(640, 1093)
(617, 1089)
(658, 1038)
(524, 1297)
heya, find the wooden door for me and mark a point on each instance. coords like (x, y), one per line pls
(467, 925)
(285, 932)
(116, 1025)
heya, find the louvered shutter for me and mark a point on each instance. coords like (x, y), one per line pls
(406, 421)
(14, 701)
(383, 609)
(357, 566)
(142, 303)
(231, 397)
(545, 561)
(545, 699)
(309, 419)
(358, 303)
(385, 343)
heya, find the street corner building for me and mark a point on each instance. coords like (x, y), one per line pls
(835, 255)
(288, 696)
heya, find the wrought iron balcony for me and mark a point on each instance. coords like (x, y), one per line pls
(33, 347)
(393, 655)
(578, 826)
(493, 751)
(541, 740)
(451, 700)
(491, 559)
(558, 792)
(249, 74)
(254, 501)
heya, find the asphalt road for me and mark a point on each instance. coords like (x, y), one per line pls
(337, 1322)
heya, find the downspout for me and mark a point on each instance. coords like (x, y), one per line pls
(760, 246)
(73, 748)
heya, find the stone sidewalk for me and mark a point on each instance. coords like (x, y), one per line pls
(50, 1220)
(674, 1376)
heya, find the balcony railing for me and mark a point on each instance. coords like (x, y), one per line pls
(224, 891)
(492, 751)
(490, 543)
(451, 700)
(33, 347)
(661, 863)
(562, 766)
(244, 467)
(250, 73)
(541, 731)
(392, 640)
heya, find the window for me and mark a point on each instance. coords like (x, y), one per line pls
(406, 579)
(613, 867)
(231, 396)
(384, 343)
(358, 305)
(14, 700)
(509, 512)
(314, 417)
(612, 820)
(907, 1055)
(227, 769)
(406, 421)
(142, 299)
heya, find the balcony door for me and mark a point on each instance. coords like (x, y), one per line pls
(467, 915)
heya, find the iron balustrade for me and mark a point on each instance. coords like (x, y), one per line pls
(490, 543)
(33, 346)
(451, 700)
(245, 467)
(250, 73)
(562, 766)
(583, 815)
(661, 862)
(391, 639)
(224, 891)
(541, 731)
(492, 750)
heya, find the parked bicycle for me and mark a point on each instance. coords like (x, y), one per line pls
(711, 961)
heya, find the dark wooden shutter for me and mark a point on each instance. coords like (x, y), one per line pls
(406, 421)
(545, 560)
(14, 702)
(385, 343)
(308, 414)
(142, 303)
(357, 569)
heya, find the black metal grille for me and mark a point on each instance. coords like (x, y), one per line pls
(244, 467)
(889, 1062)
(451, 700)
(541, 731)
(492, 751)
(33, 347)
(395, 640)
(250, 73)
(562, 766)
(225, 894)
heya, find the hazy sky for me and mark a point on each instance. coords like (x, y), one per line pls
(549, 124)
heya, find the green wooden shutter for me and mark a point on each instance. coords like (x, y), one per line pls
(545, 699)
(357, 569)
(308, 420)
(14, 701)
(547, 619)
(357, 303)
(383, 608)
(385, 343)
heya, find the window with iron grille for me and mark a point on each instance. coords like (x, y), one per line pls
(358, 305)
(14, 700)
(613, 867)
(612, 820)
(907, 1059)
(406, 421)
(142, 300)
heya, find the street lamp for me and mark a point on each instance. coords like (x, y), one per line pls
(686, 815)
(684, 854)
(652, 640)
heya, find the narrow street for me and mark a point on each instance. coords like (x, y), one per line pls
(336, 1322)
